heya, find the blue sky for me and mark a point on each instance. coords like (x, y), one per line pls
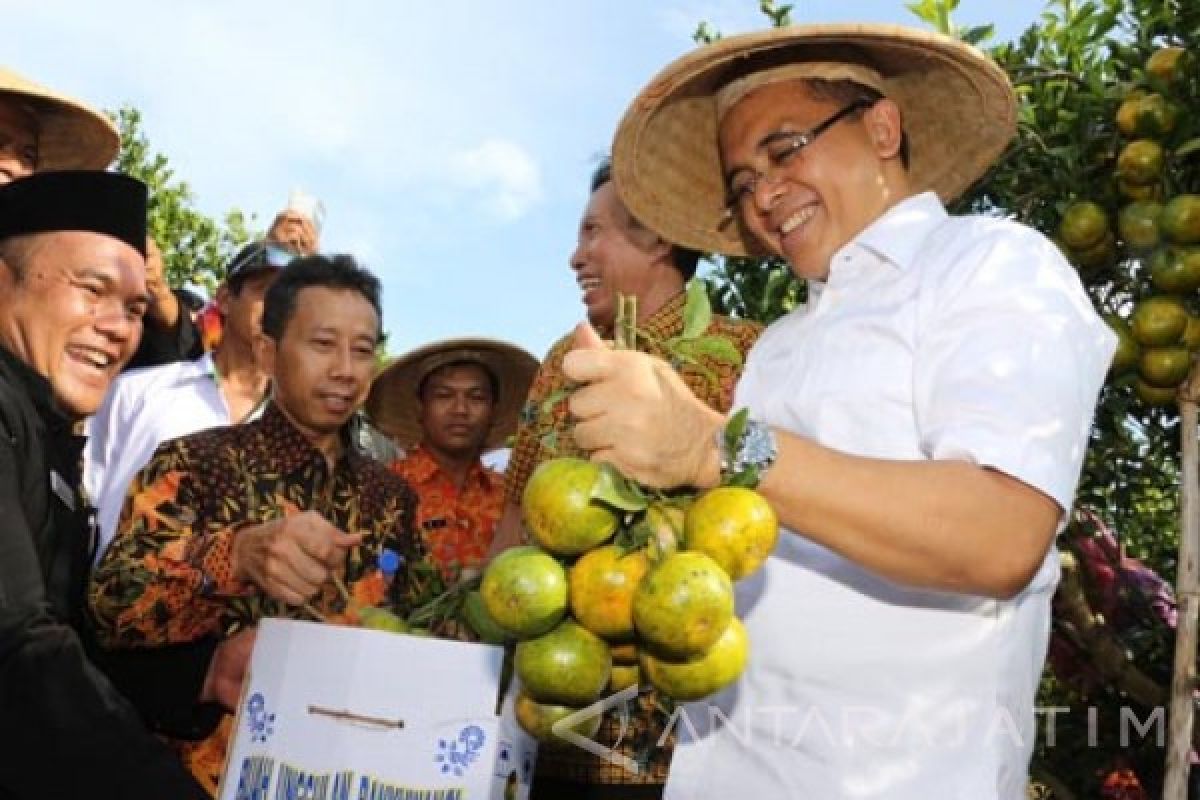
(451, 143)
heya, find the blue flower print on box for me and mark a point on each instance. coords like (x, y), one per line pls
(456, 755)
(260, 721)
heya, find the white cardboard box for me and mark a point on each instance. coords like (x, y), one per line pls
(337, 713)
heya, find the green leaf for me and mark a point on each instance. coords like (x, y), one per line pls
(553, 399)
(697, 312)
(714, 347)
(735, 428)
(1188, 147)
(614, 489)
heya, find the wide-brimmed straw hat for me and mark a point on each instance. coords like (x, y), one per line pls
(957, 107)
(393, 405)
(71, 134)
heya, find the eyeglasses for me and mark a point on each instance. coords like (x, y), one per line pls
(780, 148)
(261, 257)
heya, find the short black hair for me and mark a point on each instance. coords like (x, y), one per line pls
(493, 381)
(325, 272)
(846, 92)
(684, 259)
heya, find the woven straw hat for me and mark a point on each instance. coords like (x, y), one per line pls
(957, 106)
(71, 134)
(392, 403)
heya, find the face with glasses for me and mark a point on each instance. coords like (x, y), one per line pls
(805, 174)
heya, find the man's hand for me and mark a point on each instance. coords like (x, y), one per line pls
(227, 670)
(291, 558)
(164, 305)
(636, 413)
(294, 231)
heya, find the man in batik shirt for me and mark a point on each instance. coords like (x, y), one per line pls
(617, 255)
(446, 403)
(230, 525)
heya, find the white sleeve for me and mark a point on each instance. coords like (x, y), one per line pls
(1010, 360)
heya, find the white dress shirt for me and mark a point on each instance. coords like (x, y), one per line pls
(934, 338)
(143, 409)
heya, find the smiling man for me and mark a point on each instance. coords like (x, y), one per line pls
(72, 295)
(446, 403)
(918, 425)
(229, 525)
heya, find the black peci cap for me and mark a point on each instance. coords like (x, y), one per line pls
(76, 200)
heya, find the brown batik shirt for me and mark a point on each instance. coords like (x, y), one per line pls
(167, 576)
(545, 432)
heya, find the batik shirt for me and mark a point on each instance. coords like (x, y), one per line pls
(167, 577)
(456, 525)
(544, 433)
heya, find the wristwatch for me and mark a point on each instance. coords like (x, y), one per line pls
(747, 449)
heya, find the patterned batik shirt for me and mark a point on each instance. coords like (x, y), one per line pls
(456, 525)
(543, 433)
(167, 576)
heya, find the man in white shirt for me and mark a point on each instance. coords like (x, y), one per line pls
(149, 406)
(918, 425)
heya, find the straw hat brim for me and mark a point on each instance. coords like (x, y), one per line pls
(71, 134)
(393, 406)
(957, 106)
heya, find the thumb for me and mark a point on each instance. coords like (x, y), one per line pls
(586, 338)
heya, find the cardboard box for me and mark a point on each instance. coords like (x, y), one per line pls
(337, 713)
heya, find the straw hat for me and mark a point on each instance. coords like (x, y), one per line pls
(71, 135)
(392, 403)
(958, 110)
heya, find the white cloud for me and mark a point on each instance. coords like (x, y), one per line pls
(505, 172)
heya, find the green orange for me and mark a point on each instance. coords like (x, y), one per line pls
(570, 665)
(558, 508)
(538, 720)
(1083, 225)
(524, 590)
(1164, 367)
(1126, 356)
(735, 526)
(602, 583)
(683, 605)
(709, 672)
(1180, 219)
(1141, 162)
(1137, 224)
(1158, 321)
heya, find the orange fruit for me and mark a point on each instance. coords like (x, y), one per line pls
(736, 527)
(1154, 396)
(1164, 367)
(1127, 113)
(683, 605)
(477, 618)
(1158, 321)
(1141, 162)
(525, 591)
(558, 508)
(1174, 270)
(1180, 219)
(699, 677)
(1137, 223)
(1083, 225)
(1098, 255)
(1166, 63)
(602, 583)
(1148, 115)
(1126, 356)
(666, 528)
(538, 720)
(569, 665)
(623, 676)
(381, 619)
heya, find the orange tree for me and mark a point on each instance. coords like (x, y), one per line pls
(1106, 162)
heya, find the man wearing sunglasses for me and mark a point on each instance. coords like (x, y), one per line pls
(147, 407)
(918, 425)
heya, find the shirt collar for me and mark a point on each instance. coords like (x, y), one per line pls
(899, 234)
(423, 467)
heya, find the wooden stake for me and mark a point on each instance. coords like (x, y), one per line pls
(1183, 681)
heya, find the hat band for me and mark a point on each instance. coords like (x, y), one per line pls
(731, 93)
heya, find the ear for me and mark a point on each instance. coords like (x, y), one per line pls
(885, 127)
(222, 298)
(266, 353)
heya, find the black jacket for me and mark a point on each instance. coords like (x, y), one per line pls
(65, 731)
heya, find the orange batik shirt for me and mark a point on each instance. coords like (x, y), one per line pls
(456, 525)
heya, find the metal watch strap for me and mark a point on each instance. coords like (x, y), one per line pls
(745, 461)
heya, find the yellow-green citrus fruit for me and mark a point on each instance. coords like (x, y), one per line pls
(559, 511)
(1141, 162)
(699, 677)
(1166, 63)
(1180, 219)
(1148, 115)
(1154, 396)
(1158, 321)
(1126, 356)
(1083, 225)
(538, 720)
(381, 619)
(525, 590)
(623, 676)
(683, 605)
(1132, 191)
(1164, 367)
(570, 665)
(1098, 255)
(477, 618)
(1174, 270)
(1137, 223)
(602, 583)
(736, 527)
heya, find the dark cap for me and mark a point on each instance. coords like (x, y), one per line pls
(99, 202)
(256, 257)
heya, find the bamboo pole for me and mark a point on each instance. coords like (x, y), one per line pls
(1183, 681)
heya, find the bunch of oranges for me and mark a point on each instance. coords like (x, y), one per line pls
(621, 589)
(1158, 230)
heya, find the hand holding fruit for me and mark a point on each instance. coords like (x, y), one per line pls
(291, 558)
(636, 413)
